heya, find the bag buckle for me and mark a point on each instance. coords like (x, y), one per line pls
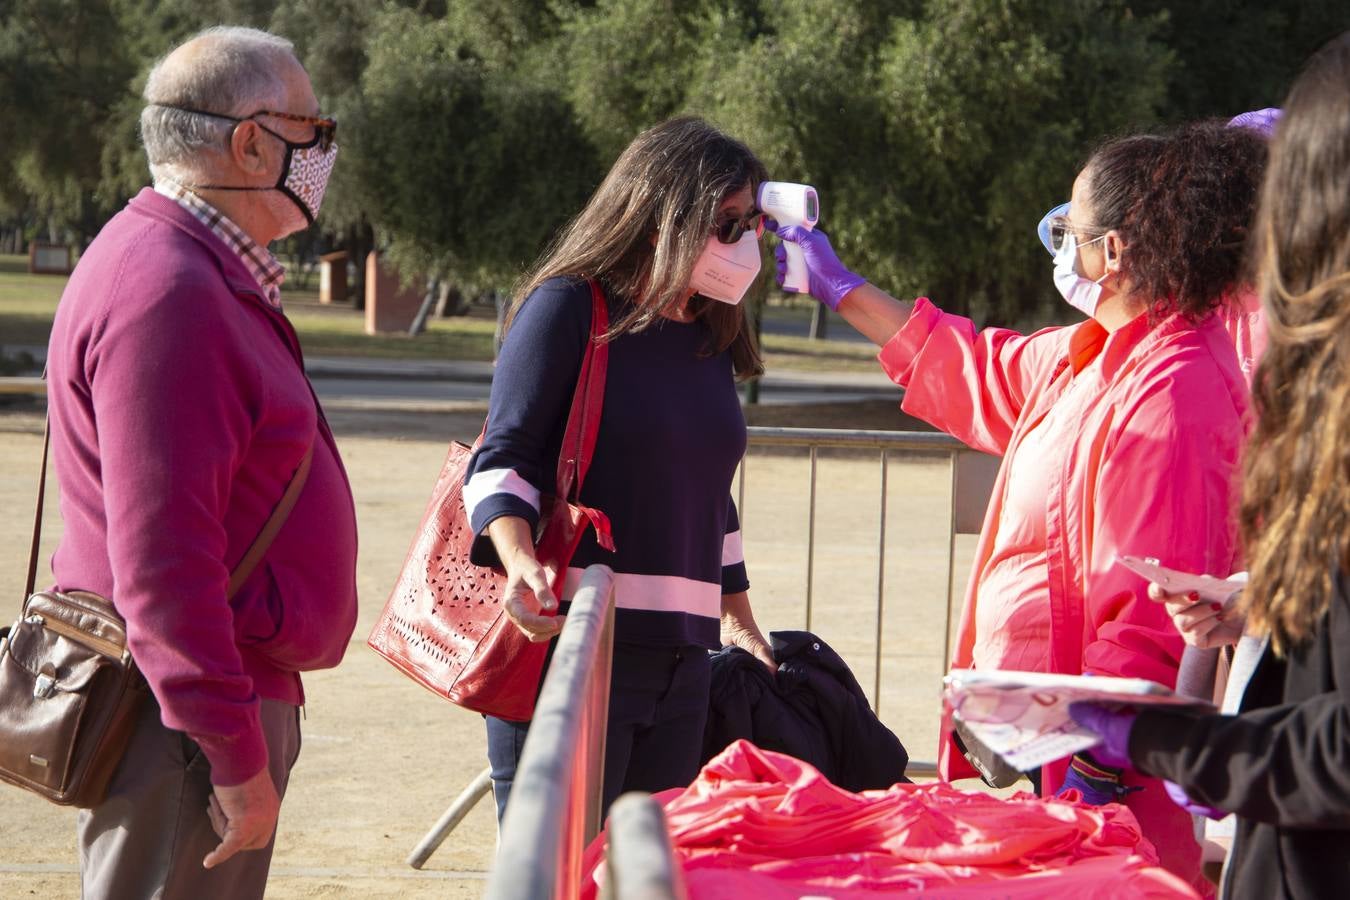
(45, 685)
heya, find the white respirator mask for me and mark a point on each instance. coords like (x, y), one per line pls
(1083, 294)
(725, 271)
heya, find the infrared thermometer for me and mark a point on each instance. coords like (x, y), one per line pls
(791, 204)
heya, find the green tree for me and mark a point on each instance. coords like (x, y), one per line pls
(465, 168)
(63, 68)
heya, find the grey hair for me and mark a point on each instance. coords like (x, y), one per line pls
(238, 72)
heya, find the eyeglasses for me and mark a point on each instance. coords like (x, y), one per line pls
(325, 127)
(1061, 228)
(729, 231)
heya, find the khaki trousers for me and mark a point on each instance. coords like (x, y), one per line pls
(147, 839)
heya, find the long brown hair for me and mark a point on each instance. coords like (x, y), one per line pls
(642, 231)
(1296, 493)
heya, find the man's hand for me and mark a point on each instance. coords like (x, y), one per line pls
(244, 815)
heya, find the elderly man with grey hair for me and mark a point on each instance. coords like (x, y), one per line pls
(201, 488)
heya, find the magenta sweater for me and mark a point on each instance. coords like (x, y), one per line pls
(179, 411)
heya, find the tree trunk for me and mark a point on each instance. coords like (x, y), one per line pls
(360, 241)
(819, 321)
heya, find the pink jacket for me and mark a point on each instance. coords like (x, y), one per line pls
(1151, 471)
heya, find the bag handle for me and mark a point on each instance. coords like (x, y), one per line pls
(588, 399)
(252, 556)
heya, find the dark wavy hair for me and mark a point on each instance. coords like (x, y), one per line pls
(646, 225)
(1183, 202)
(1296, 487)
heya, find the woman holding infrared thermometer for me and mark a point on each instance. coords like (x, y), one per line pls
(1119, 435)
(1280, 764)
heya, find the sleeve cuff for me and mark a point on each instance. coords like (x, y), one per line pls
(483, 553)
(237, 758)
(734, 579)
(897, 357)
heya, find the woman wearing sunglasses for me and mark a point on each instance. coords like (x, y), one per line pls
(1119, 435)
(672, 238)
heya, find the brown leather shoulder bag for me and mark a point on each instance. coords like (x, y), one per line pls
(69, 689)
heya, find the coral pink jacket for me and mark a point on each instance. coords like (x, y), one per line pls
(1151, 470)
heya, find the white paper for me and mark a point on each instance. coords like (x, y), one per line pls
(1024, 716)
(1206, 587)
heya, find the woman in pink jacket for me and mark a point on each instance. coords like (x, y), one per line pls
(1119, 435)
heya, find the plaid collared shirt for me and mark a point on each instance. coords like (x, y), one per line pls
(259, 261)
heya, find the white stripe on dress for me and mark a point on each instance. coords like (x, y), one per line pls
(498, 481)
(732, 550)
(657, 593)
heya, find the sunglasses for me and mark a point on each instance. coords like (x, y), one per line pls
(730, 230)
(325, 127)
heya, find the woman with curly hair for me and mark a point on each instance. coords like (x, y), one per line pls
(1280, 763)
(1119, 435)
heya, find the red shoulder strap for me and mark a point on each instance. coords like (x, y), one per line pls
(583, 422)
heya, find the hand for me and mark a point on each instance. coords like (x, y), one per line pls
(527, 595)
(740, 630)
(750, 640)
(1201, 623)
(827, 278)
(1111, 725)
(243, 815)
(1096, 784)
(1179, 797)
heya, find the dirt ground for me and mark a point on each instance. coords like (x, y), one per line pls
(382, 758)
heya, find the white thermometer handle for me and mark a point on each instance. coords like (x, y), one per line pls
(796, 276)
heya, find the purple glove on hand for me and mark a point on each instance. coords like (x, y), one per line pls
(1097, 785)
(1112, 726)
(827, 279)
(1196, 809)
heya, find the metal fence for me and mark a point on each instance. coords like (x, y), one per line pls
(971, 475)
(639, 861)
(971, 478)
(555, 799)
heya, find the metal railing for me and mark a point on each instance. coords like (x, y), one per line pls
(555, 799)
(639, 861)
(971, 477)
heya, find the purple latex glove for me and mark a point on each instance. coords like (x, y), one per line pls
(1196, 809)
(1095, 791)
(1262, 121)
(827, 278)
(1112, 726)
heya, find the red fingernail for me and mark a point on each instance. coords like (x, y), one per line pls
(1217, 607)
(1194, 597)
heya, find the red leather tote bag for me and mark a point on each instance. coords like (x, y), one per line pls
(444, 625)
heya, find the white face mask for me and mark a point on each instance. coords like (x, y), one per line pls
(726, 271)
(1083, 294)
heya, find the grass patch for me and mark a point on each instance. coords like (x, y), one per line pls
(28, 303)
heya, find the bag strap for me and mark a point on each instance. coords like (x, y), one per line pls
(272, 527)
(37, 516)
(252, 556)
(588, 399)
